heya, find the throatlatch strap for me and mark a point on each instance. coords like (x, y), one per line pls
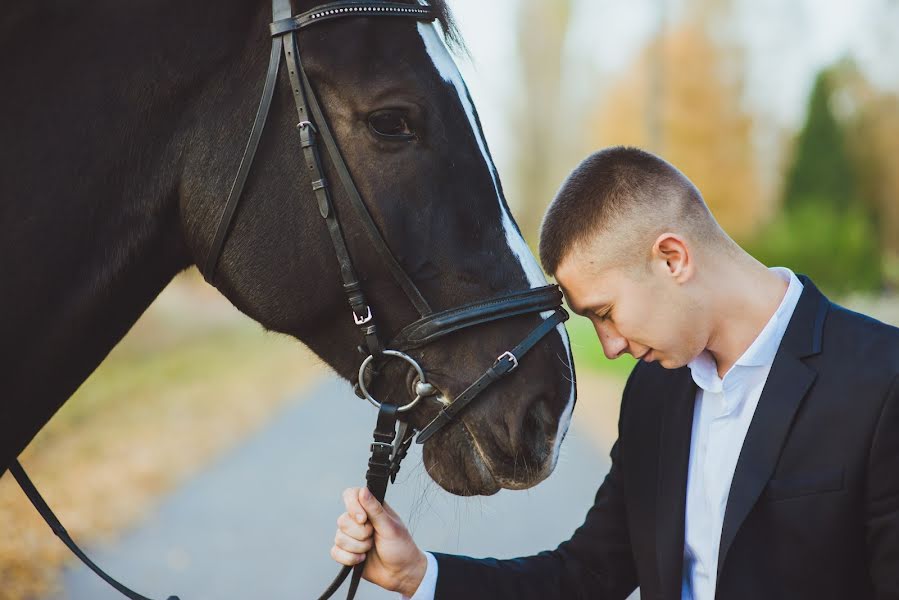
(41, 505)
(224, 224)
(505, 364)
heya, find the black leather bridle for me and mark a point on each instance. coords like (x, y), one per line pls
(313, 126)
(390, 445)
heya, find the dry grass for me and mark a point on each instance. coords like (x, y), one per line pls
(190, 380)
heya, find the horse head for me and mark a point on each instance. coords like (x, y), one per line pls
(126, 150)
(411, 140)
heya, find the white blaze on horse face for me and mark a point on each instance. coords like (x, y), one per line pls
(448, 70)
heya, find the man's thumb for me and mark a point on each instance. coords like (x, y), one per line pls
(375, 509)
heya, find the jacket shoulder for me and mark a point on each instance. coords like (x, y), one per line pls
(858, 337)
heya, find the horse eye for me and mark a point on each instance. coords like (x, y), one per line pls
(391, 124)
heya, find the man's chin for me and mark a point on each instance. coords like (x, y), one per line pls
(664, 361)
(667, 362)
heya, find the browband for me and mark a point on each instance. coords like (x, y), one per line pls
(354, 8)
(436, 325)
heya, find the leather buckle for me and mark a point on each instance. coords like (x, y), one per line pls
(364, 319)
(511, 358)
(307, 133)
(383, 446)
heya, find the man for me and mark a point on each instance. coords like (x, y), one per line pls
(758, 449)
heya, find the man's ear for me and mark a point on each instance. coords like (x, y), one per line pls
(671, 254)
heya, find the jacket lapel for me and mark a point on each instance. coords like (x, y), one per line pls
(788, 382)
(674, 457)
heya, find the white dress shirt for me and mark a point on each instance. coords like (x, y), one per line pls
(721, 417)
(723, 411)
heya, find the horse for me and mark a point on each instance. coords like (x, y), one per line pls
(123, 128)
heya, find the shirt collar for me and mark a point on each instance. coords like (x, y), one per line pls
(763, 349)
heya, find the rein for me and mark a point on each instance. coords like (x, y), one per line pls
(392, 437)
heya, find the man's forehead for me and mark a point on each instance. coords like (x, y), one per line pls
(578, 268)
(584, 285)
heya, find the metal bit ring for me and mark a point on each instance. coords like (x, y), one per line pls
(397, 354)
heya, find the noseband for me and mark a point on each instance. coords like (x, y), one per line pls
(390, 445)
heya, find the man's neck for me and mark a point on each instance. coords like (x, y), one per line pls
(743, 301)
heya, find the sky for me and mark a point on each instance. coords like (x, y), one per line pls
(788, 41)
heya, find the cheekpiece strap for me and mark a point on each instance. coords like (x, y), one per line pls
(352, 8)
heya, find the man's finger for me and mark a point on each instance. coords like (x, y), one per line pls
(346, 558)
(345, 542)
(349, 526)
(353, 506)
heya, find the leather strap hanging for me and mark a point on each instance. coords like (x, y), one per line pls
(41, 505)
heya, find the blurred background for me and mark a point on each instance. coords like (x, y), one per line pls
(785, 113)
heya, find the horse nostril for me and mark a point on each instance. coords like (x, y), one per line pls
(537, 429)
(528, 430)
(538, 419)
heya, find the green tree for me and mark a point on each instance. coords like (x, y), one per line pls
(825, 229)
(822, 170)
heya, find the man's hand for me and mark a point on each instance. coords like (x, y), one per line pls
(394, 560)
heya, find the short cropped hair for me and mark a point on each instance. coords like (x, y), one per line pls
(628, 190)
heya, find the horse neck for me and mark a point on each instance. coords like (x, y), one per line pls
(90, 215)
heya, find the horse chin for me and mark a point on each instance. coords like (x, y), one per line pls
(457, 463)
(454, 462)
(479, 454)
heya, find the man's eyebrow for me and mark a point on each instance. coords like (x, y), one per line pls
(598, 308)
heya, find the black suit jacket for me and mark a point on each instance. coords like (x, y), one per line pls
(813, 510)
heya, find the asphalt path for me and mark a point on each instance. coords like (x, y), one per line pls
(258, 523)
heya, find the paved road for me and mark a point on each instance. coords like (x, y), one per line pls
(258, 523)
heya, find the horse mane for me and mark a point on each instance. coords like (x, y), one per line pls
(448, 24)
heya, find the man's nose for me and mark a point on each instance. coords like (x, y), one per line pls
(613, 343)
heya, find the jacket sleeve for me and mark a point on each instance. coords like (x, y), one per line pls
(883, 499)
(596, 563)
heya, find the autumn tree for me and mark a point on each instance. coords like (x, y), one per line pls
(705, 129)
(542, 29)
